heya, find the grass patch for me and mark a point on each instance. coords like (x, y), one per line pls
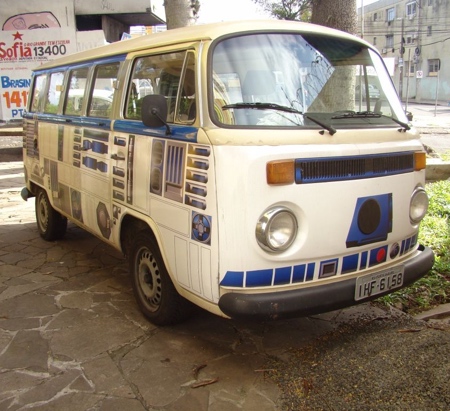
(434, 288)
(445, 156)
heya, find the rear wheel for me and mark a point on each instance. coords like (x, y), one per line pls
(155, 294)
(51, 224)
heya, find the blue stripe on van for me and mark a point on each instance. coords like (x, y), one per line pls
(302, 273)
(179, 132)
(72, 121)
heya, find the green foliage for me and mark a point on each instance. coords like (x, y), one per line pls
(298, 10)
(446, 156)
(434, 288)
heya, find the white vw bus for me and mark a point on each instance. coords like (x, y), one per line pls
(255, 169)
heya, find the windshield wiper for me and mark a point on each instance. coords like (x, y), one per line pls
(370, 114)
(262, 106)
(278, 107)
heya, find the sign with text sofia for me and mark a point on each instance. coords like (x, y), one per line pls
(20, 52)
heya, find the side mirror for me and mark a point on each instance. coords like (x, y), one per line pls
(154, 110)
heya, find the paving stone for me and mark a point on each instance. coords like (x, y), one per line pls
(50, 388)
(5, 339)
(192, 399)
(98, 336)
(80, 300)
(13, 258)
(16, 324)
(121, 404)
(73, 401)
(17, 290)
(30, 305)
(27, 350)
(7, 271)
(13, 382)
(107, 378)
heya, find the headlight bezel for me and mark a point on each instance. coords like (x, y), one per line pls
(418, 205)
(266, 235)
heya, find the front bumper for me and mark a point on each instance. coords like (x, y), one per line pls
(316, 299)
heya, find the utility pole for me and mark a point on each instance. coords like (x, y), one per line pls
(362, 19)
(401, 61)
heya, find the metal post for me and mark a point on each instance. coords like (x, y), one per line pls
(400, 86)
(407, 79)
(437, 92)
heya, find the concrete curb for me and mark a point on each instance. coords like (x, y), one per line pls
(440, 312)
(437, 170)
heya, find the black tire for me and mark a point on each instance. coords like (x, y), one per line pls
(51, 224)
(155, 293)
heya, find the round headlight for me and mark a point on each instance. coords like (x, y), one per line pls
(276, 229)
(418, 206)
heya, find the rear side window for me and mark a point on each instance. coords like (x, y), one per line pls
(102, 92)
(75, 95)
(38, 90)
(54, 93)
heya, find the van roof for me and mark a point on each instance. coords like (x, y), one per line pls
(188, 35)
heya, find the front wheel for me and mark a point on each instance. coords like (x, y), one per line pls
(155, 294)
(51, 225)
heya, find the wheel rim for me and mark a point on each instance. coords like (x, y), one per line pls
(42, 213)
(149, 279)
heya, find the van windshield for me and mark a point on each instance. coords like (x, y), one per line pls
(294, 80)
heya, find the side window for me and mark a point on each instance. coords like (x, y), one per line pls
(54, 92)
(75, 94)
(163, 74)
(38, 89)
(102, 91)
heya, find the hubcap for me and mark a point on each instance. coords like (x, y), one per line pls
(149, 279)
(42, 213)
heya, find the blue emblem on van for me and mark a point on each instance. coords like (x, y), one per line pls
(372, 220)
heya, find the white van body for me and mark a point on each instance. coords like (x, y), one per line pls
(237, 165)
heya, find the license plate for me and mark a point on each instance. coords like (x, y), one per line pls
(379, 282)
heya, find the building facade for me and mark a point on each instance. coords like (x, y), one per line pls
(38, 31)
(413, 37)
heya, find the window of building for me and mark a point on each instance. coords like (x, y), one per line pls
(430, 2)
(375, 16)
(429, 31)
(389, 41)
(390, 14)
(433, 67)
(410, 68)
(411, 37)
(411, 9)
(374, 41)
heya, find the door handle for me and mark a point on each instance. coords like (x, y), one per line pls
(118, 156)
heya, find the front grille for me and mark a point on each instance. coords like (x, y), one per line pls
(321, 170)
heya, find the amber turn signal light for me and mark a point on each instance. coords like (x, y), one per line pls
(280, 172)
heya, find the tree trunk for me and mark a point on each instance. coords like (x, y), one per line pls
(179, 13)
(338, 14)
(341, 15)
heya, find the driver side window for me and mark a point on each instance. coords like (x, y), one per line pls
(171, 75)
